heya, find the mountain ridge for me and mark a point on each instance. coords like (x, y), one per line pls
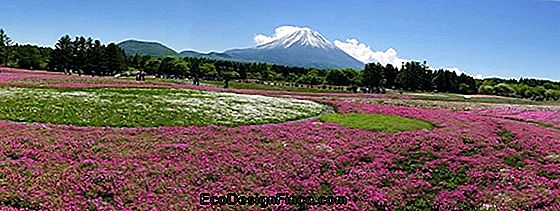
(150, 48)
(301, 47)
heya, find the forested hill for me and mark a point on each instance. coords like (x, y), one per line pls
(132, 47)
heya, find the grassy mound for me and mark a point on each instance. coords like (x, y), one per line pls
(133, 107)
(376, 122)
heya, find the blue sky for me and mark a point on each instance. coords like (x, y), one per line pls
(509, 38)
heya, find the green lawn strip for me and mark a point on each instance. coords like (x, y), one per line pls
(376, 122)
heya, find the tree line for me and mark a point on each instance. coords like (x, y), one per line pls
(79, 56)
(534, 89)
(416, 76)
(86, 56)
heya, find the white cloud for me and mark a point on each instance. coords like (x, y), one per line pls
(281, 31)
(365, 54)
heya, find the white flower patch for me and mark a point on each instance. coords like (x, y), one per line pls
(231, 108)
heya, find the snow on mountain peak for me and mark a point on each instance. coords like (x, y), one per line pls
(288, 36)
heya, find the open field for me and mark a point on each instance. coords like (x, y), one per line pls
(490, 156)
(133, 107)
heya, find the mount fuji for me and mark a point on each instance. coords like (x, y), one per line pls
(302, 47)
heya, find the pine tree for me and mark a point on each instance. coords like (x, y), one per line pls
(62, 55)
(116, 60)
(390, 73)
(5, 43)
(372, 76)
(79, 55)
(195, 71)
(89, 57)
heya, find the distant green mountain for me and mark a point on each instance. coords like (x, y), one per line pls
(132, 47)
(191, 54)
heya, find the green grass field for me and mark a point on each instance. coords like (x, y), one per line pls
(376, 122)
(127, 107)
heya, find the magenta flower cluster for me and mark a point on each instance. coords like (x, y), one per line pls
(468, 161)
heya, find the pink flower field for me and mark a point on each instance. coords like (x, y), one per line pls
(7, 74)
(471, 160)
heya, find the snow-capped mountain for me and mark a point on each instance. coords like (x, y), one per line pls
(301, 37)
(295, 46)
